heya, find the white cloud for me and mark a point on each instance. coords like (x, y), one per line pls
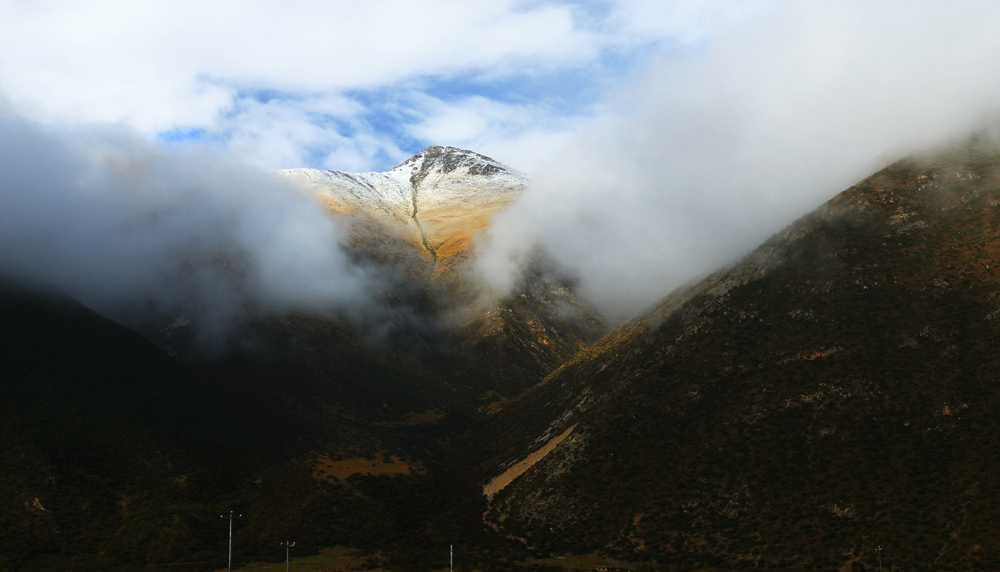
(123, 227)
(752, 112)
(523, 135)
(326, 131)
(711, 155)
(157, 65)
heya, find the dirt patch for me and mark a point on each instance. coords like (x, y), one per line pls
(498, 483)
(326, 468)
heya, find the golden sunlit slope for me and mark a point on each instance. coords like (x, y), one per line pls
(437, 200)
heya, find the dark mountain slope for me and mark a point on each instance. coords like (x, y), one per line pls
(317, 427)
(116, 455)
(511, 346)
(101, 437)
(837, 390)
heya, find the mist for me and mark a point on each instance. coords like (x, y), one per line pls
(713, 151)
(132, 230)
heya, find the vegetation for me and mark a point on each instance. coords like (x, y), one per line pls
(836, 391)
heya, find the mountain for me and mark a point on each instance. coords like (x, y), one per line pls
(835, 391)
(103, 438)
(437, 199)
(417, 222)
(122, 445)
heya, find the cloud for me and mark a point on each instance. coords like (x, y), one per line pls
(125, 227)
(159, 64)
(521, 134)
(289, 131)
(162, 66)
(705, 157)
(665, 139)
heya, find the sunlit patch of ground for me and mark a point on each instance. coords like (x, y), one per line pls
(326, 468)
(451, 231)
(498, 483)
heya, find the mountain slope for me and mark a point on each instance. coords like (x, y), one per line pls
(835, 391)
(438, 199)
(416, 223)
(115, 454)
(326, 429)
(102, 439)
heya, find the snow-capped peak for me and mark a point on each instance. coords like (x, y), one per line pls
(436, 159)
(445, 192)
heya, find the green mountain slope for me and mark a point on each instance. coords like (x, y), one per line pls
(835, 391)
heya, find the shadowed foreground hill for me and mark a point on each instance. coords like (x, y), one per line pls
(115, 456)
(837, 390)
(101, 437)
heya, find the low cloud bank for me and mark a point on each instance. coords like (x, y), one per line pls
(708, 156)
(131, 230)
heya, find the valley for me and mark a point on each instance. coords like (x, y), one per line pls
(833, 391)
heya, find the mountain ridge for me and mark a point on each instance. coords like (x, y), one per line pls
(833, 391)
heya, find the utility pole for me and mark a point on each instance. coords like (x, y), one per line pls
(879, 549)
(287, 544)
(231, 517)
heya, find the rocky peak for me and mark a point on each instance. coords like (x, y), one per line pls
(444, 160)
(441, 197)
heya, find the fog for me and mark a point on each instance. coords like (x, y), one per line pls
(712, 152)
(126, 227)
(689, 167)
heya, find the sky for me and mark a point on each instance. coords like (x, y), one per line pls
(343, 85)
(663, 138)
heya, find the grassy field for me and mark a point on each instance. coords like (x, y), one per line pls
(341, 559)
(338, 559)
(578, 562)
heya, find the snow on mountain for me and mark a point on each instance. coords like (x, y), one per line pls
(446, 194)
(378, 194)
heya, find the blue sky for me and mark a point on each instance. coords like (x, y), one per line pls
(344, 85)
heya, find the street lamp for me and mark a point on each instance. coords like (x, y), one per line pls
(879, 549)
(287, 544)
(231, 517)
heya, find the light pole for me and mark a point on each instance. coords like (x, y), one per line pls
(287, 544)
(230, 517)
(879, 549)
(451, 557)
